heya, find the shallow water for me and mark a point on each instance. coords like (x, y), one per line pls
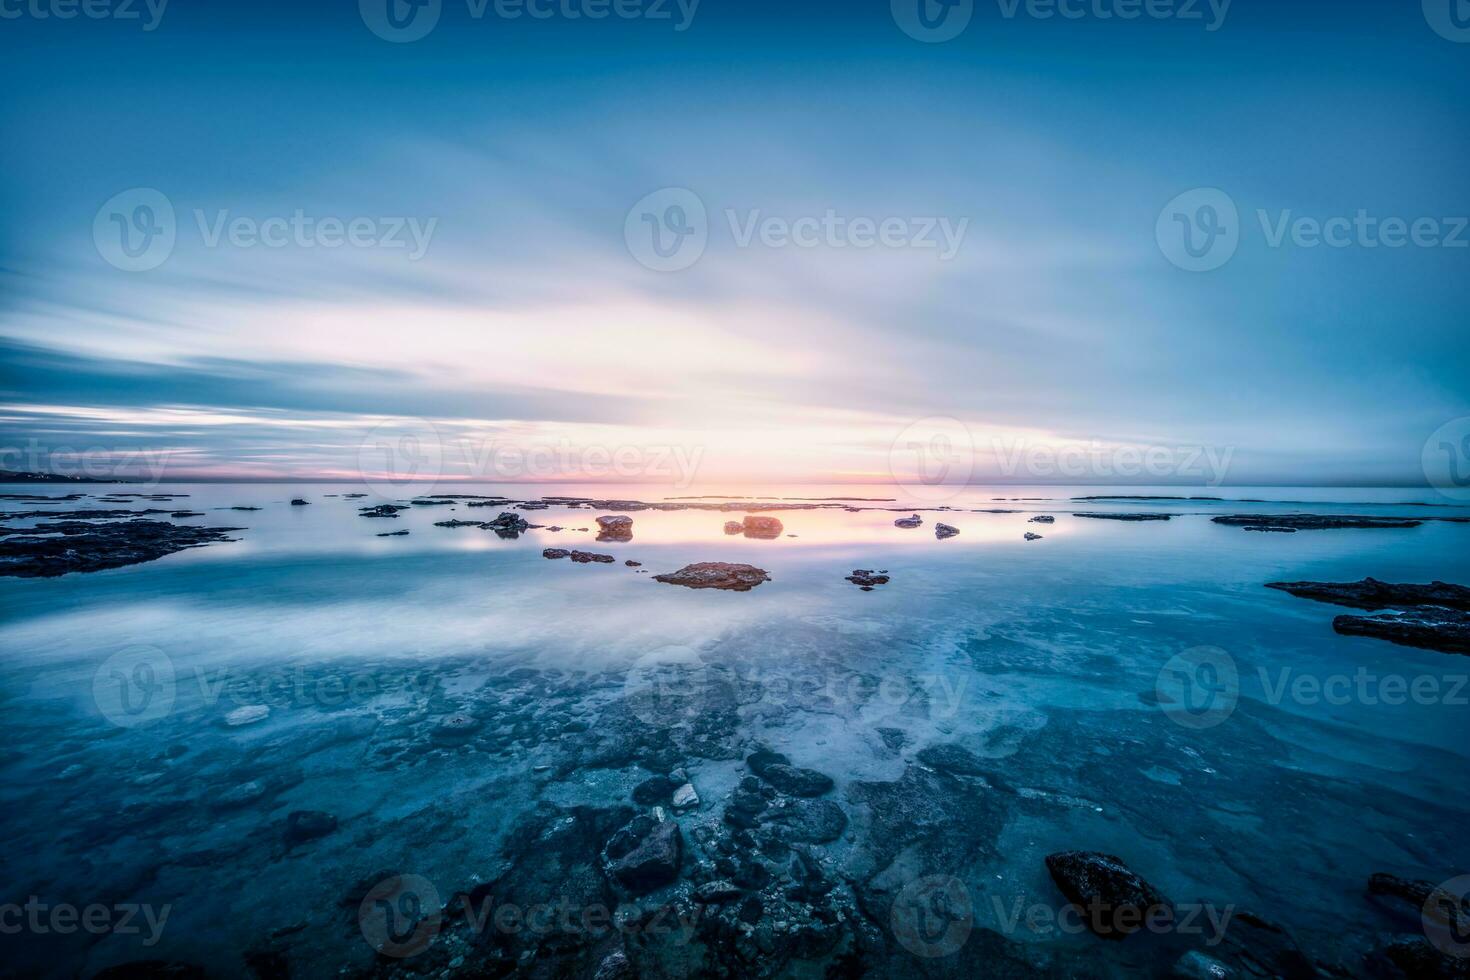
(1043, 659)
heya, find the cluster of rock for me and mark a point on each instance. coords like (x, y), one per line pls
(580, 557)
(58, 548)
(867, 579)
(507, 525)
(1291, 523)
(1433, 617)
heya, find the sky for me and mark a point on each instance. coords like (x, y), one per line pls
(735, 241)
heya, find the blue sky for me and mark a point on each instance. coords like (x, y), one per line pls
(493, 295)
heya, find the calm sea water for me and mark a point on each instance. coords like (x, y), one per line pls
(1042, 658)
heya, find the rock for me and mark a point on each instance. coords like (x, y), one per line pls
(1043, 519)
(716, 892)
(758, 526)
(1030, 536)
(1311, 522)
(507, 525)
(734, 527)
(716, 575)
(797, 782)
(615, 966)
(758, 762)
(867, 579)
(615, 528)
(952, 759)
(685, 797)
(382, 510)
(307, 825)
(247, 715)
(653, 791)
(58, 548)
(1372, 594)
(433, 502)
(942, 531)
(633, 564)
(393, 534)
(1112, 900)
(1417, 959)
(555, 553)
(589, 558)
(298, 502)
(644, 855)
(909, 522)
(1426, 627)
(457, 523)
(1128, 517)
(456, 728)
(806, 821)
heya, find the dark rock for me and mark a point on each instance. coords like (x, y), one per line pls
(758, 762)
(654, 792)
(298, 502)
(393, 534)
(716, 575)
(1426, 627)
(806, 821)
(1043, 519)
(555, 553)
(909, 522)
(1417, 959)
(797, 782)
(1372, 594)
(1127, 517)
(1032, 536)
(52, 549)
(588, 557)
(953, 759)
(457, 523)
(507, 525)
(307, 825)
(433, 502)
(382, 510)
(867, 579)
(633, 564)
(644, 855)
(942, 531)
(242, 508)
(1111, 899)
(1311, 522)
(716, 892)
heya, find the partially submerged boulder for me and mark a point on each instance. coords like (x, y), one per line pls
(644, 855)
(730, 576)
(1112, 900)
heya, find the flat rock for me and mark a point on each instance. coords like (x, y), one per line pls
(382, 510)
(795, 781)
(1372, 594)
(1043, 519)
(1425, 627)
(51, 549)
(1114, 902)
(589, 557)
(716, 575)
(1311, 522)
(1128, 517)
(909, 522)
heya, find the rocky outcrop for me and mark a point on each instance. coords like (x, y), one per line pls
(1043, 519)
(795, 781)
(756, 526)
(1426, 627)
(615, 528)
(1127, 517)
(1111, 899)
(644, 855)
(382, 510)
(591, 558)
(942, 531)
(909, 522)
(867, 579)
(299, 502)
(52, 549)
(1310, 522)
(716, 575)
(1372, 594)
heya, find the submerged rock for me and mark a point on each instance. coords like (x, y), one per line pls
(52, 549)
(795, 781)
(1113, 901)
(716, 575)
(866, 579)
(246, 715)
(644, 855)
(734, 527)
(942, 531)
(306, 825)
(909, 522)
